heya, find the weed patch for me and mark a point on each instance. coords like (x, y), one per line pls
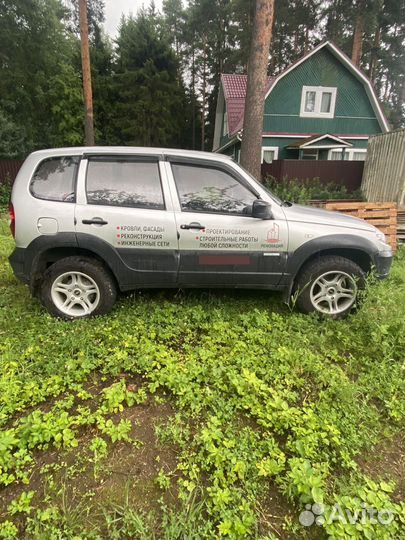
(199, 415)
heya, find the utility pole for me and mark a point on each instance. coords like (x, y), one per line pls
(251, 148)
(87, 92)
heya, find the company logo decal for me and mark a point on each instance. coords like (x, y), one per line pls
(273, 235)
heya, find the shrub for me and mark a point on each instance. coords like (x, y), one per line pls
(5, 192)
(302, 191)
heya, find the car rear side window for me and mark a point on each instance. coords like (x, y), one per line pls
(124, 182)
(55, 178)
(208, 189)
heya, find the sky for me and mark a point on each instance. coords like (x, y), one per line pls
(115, 8)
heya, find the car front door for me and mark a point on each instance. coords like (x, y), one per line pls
(124, 212)
(220, 243)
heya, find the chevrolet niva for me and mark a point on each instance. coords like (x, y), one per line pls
(91, 221)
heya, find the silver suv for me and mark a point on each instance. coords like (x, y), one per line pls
(89, 222)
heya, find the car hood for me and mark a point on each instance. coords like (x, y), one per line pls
(309, 214)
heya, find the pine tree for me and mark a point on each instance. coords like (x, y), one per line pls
(150, 96)
(40, 90)
(250, 156)
(174, 23)
(358, 36)
(95, 18)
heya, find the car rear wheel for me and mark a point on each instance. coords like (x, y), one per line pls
(78, 287)
(329, 285)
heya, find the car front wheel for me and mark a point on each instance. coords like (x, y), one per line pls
(78, 287)
(329, 285)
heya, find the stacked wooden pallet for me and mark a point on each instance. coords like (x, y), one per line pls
(321, 203)
(401, 225)
(381, 215)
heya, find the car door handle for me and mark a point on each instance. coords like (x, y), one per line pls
(94, 221)
(193, 225)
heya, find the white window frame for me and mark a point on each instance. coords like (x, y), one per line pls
(271, 148)
(319, 90)
(348, 151)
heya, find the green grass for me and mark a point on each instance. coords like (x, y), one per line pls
(199, 415)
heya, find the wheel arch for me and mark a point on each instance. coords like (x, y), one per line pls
(355, 248)
(360, 257)
(45, 251)
(47, 257)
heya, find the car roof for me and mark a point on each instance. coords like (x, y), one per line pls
(145, 151)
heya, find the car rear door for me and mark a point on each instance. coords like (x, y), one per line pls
(220, 243)
(124, 204)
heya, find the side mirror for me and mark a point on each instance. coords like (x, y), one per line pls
(261, 209)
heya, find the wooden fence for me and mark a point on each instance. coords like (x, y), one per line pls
(381, 215)
(346, 173)
(9, 169)
(384, 169)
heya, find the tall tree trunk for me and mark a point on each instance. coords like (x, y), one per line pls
(386, 88)
(204, 95)
(193, 109)
(374, 55)
(357, 48)
(402, 96)
(87, 91)
(296, 39)
(306, 43)
(251, 148)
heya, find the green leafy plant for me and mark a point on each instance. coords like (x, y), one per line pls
(100, 450)
(116, 432)
(305, 481)
(303, 191)
(163, 480)
(117, 396)
(8, 530)
(22, 504)
(5, 193)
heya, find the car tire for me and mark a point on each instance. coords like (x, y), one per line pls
(329, 285)
(77, 288)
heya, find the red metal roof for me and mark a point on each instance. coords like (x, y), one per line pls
(234, 87)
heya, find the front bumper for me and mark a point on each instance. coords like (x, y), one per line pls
(383, 262)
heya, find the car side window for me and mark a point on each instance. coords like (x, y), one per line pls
(209, 189)
(124, 182)
(55, 179)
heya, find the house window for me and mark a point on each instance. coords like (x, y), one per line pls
(310, 98)
(318, 101)
(350, 154)
(335, 155)
(359, 155)
(309, 154)
(269, 154)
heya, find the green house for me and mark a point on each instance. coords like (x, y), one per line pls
(321, 107)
